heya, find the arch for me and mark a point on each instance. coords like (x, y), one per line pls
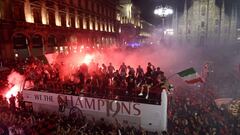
(20, 45)
(37, 45)
(20, 41)
(52, 45)
(52, 40)
(37, 41)
(62, 40)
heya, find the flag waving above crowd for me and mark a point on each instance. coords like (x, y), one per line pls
(190, 76)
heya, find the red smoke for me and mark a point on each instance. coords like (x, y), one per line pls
(170, 60)
(15, 80)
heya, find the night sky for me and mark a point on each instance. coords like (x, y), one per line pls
(147, 7)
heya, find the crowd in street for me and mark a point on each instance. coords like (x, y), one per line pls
(104, 81)
(190, 112)
(194, 112)
(23, 121)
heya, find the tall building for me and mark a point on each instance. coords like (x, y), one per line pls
(36, 27)
(146, 32)
(130, 22)
(204, 23)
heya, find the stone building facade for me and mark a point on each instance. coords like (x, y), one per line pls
(204, 23)
(130, 22)
(36, 27)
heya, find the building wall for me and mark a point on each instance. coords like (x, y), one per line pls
(57, 23)
(146, 32)
(204, 23)
(130, 22)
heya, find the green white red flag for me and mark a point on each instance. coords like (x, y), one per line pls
(190, 76)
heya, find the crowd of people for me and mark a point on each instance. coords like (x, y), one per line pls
(26, 122)
(196, 113)
(104, 81)
(190, 112)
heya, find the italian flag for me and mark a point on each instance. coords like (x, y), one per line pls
(190, 76)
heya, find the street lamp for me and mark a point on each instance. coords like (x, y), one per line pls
(163, 12)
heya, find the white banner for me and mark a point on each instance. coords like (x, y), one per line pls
(150, 115)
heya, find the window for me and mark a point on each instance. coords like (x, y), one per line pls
(37, 15)
(84, 22)
(51, 18)
(216, 22)
(72, 21)
(63, 19)
(52, 41)
(203, 12)
(37, 41)
(20, 41)
(202, 24)
(19, 12)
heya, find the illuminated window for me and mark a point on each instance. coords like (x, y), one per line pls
(113, 28)
(57, 16)
(118, 17)
(77, 25)
(96, 23)
(68, 19)
(101, 26)
(44, 14)
(109, 27)
(90, 23)
(84, 22)
(28, 12)
(105, 26)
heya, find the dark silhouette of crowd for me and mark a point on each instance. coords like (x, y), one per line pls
(103, 81)
(190, 112)
(23, 121)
